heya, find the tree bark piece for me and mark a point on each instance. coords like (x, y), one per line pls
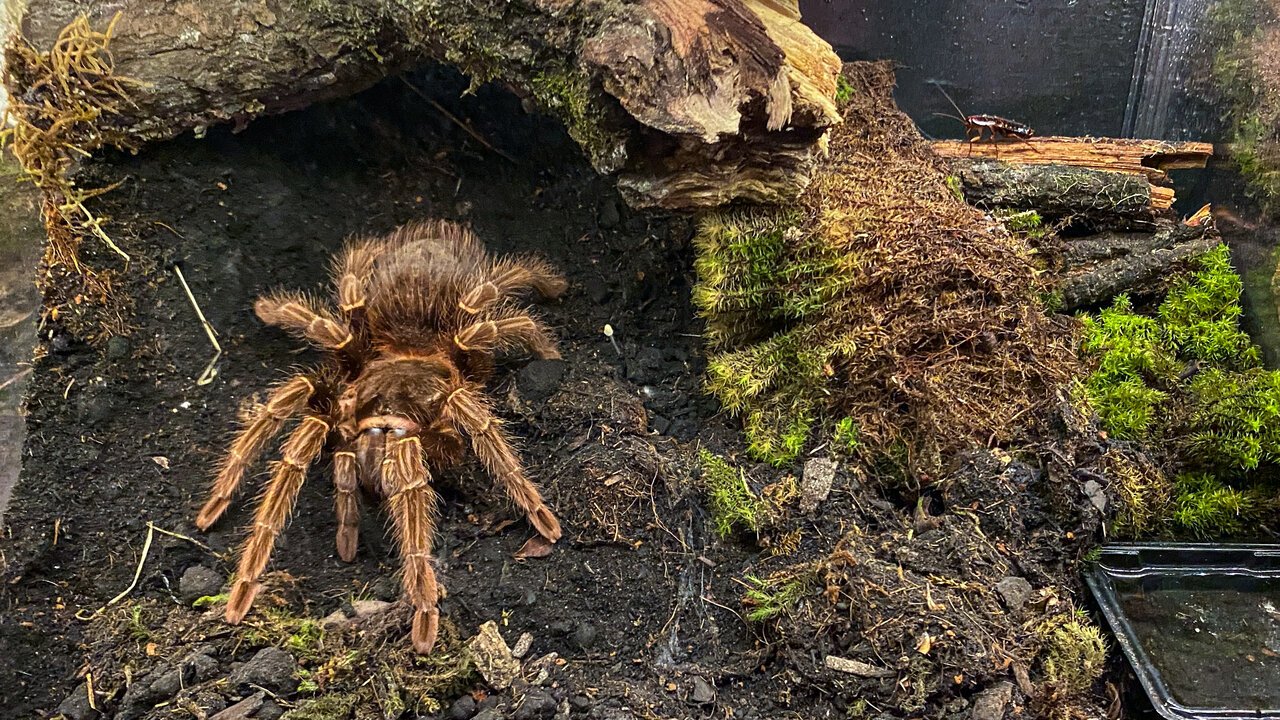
(1099, 267)
(1150, 158)
(688, 104)
(1097, 198)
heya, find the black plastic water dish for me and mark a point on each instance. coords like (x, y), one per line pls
(1199, 623)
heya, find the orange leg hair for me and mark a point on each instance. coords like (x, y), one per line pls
(413, 508)
(286, 401)
(345, 482)
(303, 446)
(507, 277)
(300, 315)
(513, 330)
(490, 444)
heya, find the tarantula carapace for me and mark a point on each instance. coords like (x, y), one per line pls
(420, 314)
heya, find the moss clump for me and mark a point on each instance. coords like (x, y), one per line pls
(209, 600)
(1206, 508)
(327, 707)
(879, 296)
(844, 90)
(1187, 382)
(771, 596)
(1145, 493)
(732, 502)
(1141, 359)
(845, 438)
(1074, 653)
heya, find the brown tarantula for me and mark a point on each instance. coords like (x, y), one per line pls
(420, 314)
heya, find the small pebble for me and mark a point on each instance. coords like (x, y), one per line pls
(535, 705)
(703, 693)
(523, 644)
(271, 668)
(76, 706)
(198, 581)
(462, 708)
(585, 635)
(1015, 591)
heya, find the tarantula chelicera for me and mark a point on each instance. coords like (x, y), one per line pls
(420, 314)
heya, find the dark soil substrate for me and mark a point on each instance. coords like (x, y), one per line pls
(641, 598)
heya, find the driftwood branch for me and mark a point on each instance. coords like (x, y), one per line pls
(1150, 158)
(1096, 198)
(1101, 266)
(689, 104)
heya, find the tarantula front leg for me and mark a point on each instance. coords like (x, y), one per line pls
(286, 401)
(510, 276)
(299, 314)
(303, 446)
(513, 329)
(413, 507)
(495, 452)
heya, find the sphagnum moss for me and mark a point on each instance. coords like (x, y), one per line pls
(1187, 382)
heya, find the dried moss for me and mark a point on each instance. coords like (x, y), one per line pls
(878, 296)
(768, 597)
(1074, 654)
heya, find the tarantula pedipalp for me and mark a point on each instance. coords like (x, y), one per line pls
(420, 314)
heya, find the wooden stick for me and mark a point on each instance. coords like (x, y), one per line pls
(1152, 158)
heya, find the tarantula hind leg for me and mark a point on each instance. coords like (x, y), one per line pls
(302, 448)
(413, 507)
(495, 452)
(347, 506)
(286, 401)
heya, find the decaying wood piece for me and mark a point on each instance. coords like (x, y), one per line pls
(689, 104)
(1099, 267)
(1097, 198)
(1150, 158)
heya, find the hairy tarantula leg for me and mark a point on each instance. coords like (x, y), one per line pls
(347, 506)
(297, 314)
(303, 446)
(514, 330)
(508, 276)
(286, 401)
(495, 452)
(413, 507)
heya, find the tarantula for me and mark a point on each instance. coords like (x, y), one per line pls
(420, 314)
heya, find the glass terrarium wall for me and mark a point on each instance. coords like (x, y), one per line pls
(1160, 69)
(1071, 67)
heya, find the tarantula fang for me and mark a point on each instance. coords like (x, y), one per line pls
(420, 314)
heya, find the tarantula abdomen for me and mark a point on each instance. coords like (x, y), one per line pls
(409, 343)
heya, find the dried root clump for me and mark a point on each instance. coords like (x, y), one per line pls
(878, 296)
(61, 103)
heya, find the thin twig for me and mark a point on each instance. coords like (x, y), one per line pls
(210, 372)
(146, 549)
(455, 120)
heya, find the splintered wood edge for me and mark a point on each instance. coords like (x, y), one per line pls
(1151, 158)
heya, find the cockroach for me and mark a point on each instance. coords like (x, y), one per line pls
(976, 125)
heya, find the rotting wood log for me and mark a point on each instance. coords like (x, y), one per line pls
(688, 104)
(1099, 199)
(1099, 267)
(1150, 158)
